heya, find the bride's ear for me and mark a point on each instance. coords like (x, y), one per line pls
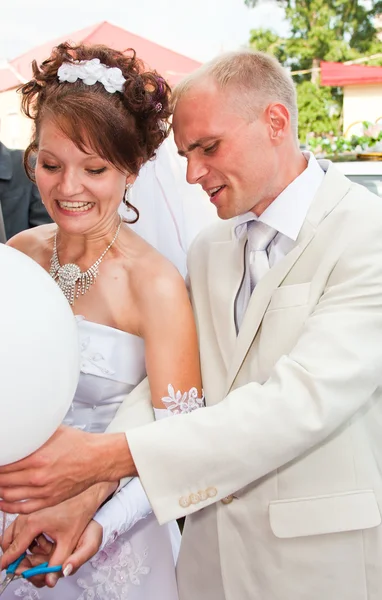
(130, 179)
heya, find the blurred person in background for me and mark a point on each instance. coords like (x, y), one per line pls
(20, 202)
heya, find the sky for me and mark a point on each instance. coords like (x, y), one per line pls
(199, 29)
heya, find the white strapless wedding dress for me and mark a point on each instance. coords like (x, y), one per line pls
(139, 564)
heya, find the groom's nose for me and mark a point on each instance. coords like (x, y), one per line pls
(196, 169)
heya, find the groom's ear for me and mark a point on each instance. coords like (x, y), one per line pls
(278, 119)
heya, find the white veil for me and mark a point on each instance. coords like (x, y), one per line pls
(171, 211)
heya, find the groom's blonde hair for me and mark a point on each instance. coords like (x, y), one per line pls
(255, 78)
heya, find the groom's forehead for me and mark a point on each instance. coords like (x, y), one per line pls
(205, 103)
(200, 98)
(196, 124)
(196, 113)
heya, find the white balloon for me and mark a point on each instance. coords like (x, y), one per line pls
(39, 355)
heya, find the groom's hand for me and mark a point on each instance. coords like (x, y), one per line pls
(70, 462)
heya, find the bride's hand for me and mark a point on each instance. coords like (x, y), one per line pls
(64, 524)
(41, 550)
(88, 545)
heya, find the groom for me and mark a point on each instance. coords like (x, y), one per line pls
(280, 476)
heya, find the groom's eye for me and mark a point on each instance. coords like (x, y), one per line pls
(211, 149)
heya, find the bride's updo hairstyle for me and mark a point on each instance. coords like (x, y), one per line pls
(124, 127)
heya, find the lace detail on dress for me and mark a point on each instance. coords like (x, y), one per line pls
(178, 403)
(27, 591)
(116, 569)
(93, 358)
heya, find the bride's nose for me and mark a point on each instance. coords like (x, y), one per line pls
(70, 183)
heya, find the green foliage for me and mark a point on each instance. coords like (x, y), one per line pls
(370, 141)
(318, 113)
(331, 30)
(335, 20)
(266, 40)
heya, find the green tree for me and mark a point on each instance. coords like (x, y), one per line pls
(332, 30)
(317, 111)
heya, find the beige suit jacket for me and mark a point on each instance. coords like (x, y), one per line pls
(281, 475)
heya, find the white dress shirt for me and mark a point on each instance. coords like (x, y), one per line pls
(286, 214)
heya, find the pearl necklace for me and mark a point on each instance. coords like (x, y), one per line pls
(71, 280)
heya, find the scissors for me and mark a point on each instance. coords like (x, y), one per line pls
(11, 572)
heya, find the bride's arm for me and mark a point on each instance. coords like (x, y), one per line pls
(172, 363)
(169, 331)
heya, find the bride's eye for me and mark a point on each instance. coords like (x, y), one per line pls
(49, 167)
(97, 171)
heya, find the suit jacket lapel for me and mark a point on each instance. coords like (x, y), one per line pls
(225, 272)
(332, 190)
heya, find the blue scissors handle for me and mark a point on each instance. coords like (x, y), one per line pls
(11, 570)
(42, 569)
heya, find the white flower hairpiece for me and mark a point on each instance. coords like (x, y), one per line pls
(91, 71)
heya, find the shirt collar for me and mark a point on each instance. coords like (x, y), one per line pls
(288, 211)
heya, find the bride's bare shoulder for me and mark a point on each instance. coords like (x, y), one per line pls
(34, 242)
(153, 271)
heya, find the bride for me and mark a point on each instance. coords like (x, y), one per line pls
(99, 116)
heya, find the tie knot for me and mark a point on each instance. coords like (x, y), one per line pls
(259, 235)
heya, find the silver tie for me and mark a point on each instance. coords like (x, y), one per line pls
(260, 236)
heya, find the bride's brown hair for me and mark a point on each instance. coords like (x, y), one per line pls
(124, 128)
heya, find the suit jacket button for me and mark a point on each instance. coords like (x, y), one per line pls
(211, 492)
(194, 498)
(184, 501)
(202, 495)
(227, 499)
